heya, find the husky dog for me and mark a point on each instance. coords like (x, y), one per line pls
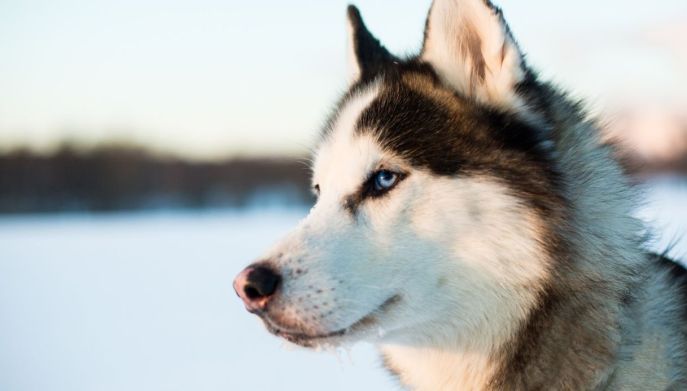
(470, 223)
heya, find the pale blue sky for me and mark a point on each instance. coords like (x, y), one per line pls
(208, 78)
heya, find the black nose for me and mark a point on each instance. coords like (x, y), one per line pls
(255, 285)
(262, 282)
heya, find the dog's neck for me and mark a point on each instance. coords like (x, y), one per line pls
(566, 343)
(438, 369)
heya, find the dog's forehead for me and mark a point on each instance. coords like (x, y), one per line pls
(410, 117)
(345, 155)
(401, 114)
(357, 137)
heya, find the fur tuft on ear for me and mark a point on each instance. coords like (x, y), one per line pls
(470, 46)
(367, 56)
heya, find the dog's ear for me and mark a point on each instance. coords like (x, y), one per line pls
(470, 46)
(367, 56)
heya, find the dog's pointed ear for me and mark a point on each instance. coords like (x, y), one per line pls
(367, 56)
(470, 46)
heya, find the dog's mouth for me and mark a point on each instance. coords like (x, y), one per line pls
(311, 340)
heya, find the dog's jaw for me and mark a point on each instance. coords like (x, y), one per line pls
(364, 326)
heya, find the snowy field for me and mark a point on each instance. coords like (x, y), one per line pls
(144, 302)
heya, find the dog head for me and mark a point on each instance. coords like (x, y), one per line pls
(433, 195)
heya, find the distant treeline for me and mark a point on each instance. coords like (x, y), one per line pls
(643, 169)
(111, 178)
(127, 178)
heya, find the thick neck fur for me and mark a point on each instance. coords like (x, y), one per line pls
(572, 334)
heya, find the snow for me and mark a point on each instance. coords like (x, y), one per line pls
(144, 302)
(665, 210)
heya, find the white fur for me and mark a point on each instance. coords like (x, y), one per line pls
(436, 242)
(335, 152)
(495, 262)
(450, 24)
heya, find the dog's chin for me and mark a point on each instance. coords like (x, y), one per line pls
(356, 331)
(307, 340)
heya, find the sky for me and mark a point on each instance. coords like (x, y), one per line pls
(207, 79)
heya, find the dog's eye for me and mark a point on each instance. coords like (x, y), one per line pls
(380, 182)
(385, 180)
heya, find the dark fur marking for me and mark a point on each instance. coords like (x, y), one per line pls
(463, 140)
(538, 345)
(352, 202)
(396, 376)
(520, 352)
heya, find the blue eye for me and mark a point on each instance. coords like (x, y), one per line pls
(385, 180)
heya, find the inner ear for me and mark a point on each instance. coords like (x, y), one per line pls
(470, 46)
(367, 56)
